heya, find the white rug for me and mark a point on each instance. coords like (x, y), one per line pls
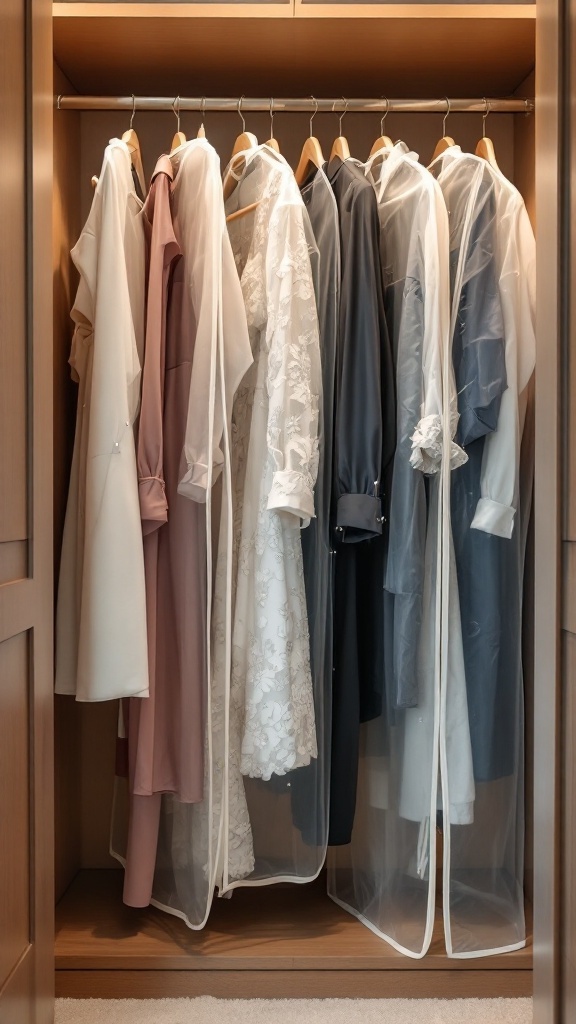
(207, 1010)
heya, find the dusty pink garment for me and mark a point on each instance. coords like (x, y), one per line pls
(166, 731)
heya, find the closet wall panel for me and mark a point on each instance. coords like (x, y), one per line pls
(13, 397)
(86, 733)
(66, 228)
(26, 592)
(14, 803)
(567, 944)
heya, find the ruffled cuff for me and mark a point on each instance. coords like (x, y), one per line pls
(427, 445)
(194, 483)
(292, 492)
(492, 517)
(153, 503)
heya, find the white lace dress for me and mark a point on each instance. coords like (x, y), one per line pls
(271, 727)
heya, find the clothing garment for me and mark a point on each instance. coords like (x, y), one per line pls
(180, 456)
(364, 441)
(492, 271)
(101, 642)
(309, 786)
(414, 255)
(274, 467)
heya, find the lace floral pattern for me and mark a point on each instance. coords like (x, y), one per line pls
(271, 722)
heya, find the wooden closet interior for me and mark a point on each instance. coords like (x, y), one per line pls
(275, 940)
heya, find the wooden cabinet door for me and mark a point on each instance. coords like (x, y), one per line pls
(26, 587)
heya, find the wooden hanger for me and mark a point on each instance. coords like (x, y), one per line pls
(446, 142)
(179, 139)
(383, 141)
(132, 141)
(272, 142)
(246, 140)
(311, 155)
(485, 147)
(340, 147)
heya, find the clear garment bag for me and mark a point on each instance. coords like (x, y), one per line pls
(386, 876)
(492, 268)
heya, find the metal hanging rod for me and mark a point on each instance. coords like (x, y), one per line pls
(305, 105)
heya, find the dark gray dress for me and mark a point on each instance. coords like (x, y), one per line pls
(364, 442)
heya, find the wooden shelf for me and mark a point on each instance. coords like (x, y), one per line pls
(294, 8)
(277, 940)
(407, 50)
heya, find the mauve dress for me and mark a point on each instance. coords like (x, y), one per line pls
(166, 731)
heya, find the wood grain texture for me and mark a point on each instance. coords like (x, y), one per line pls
(277, 928)
(547, 511)
(568, 853)
(525, 150)
(193, 56)
(26, 740)
(294, 984)
(13, 561)
(296, 9)
(14, 803)
(66, 220)
(13, 328)
(569, 586)
(40, 306)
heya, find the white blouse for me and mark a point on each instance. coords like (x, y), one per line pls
(101, 645)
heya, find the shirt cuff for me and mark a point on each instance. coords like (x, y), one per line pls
(358, 517)
(291, 492)
(427, 445)
(153, 503)
(492, 517)
(194, 483)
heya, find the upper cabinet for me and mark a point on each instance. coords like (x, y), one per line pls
(320, 48)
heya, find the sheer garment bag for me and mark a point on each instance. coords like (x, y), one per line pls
(386, 876)
(492, 263)
(275, 807)
(187, 840)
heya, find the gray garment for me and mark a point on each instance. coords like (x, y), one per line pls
(410, 207)
(489, 568)
(364, 443)
(316, 548)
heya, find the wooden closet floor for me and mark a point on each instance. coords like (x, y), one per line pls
(265, 942)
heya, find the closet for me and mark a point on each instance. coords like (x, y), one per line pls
(278, 940)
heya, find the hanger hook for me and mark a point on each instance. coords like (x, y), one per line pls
(314, 114)
(176, 109)
(446, 116)
(384, 115)
(133, 110)
(202, 110)
(344, 112)
(271, 117)
(484, 116)
(242, 118)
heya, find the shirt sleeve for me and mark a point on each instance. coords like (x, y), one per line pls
(479, 342)
(164, 249)
(427, 439)
(294, 376)
(496, 508)
(363, 335)
(202, 455)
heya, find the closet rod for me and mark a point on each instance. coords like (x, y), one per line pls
(305, 105)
